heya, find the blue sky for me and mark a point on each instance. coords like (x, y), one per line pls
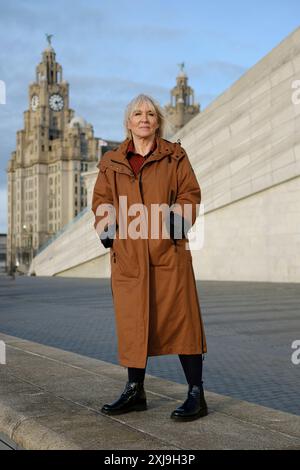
(112, 50)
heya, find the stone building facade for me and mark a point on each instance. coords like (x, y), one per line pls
(182, 107)
(44, 174)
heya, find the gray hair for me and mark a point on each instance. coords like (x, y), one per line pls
(153, 104)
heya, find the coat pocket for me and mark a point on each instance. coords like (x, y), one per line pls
(122, 264)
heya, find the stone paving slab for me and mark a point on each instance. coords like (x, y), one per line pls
(50, 399)
(250, 327)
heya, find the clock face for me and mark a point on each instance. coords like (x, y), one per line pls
(56, 102)
(34, 102)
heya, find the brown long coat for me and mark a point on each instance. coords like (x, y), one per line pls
(153, 284)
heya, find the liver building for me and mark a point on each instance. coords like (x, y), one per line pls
(45, 186)
(182, 107)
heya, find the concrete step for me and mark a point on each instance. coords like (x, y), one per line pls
(50, 399)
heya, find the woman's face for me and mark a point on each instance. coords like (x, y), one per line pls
(143, 122)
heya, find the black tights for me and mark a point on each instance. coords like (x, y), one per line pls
(191, 364)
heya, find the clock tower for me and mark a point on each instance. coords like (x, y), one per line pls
(182, 107)
(45, 184)
(49, 96)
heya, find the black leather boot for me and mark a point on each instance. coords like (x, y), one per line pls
(194, 406)
(132, 399)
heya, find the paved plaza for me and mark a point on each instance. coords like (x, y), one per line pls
(250, 327)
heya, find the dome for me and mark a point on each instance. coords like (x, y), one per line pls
(77, 121)
(49, 47)
(182, 74)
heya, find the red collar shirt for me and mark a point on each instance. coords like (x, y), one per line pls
(135, 159)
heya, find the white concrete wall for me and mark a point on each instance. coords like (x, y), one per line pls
(245, 149)
(72, 251)
(256, 238)
(248, 138)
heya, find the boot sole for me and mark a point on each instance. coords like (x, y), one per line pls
(140, 407)
(190, 418)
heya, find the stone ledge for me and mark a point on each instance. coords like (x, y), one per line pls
(50, 399)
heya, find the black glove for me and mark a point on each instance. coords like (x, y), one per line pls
(178, 226)
(107, 236)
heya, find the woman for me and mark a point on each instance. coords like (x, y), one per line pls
(152, 279)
